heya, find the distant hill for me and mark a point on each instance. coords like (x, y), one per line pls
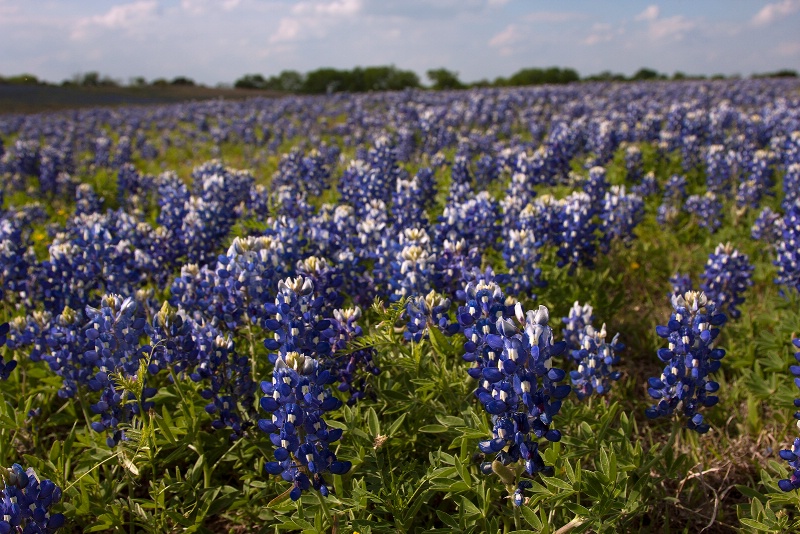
(39, 98)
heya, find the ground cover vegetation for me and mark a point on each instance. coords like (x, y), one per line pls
(551, 309)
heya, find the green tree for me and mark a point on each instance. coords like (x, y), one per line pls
(251, 81)
(444, 79)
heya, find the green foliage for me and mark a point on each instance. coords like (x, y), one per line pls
(444, 79)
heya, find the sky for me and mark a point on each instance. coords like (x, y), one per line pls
(218, 41)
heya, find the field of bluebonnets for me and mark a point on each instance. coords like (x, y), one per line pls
(552, 309)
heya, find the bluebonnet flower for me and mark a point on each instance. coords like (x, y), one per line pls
(17, 260)
(719, 169)
(520, 251)
(519, 387)
(768, 226)
(295, 320)
(349, 369)
(674, 195)
(408, 204)
(544, 217)
(595, 359)
(452, 265)
(793, 455)
(791, 185)
(5, 367)
(476, 220)
(102, 151)
(327, 282)
(122, 152)
(227, 377)
(681, 283)
(577, 240)
(112, 348)
(691, 358)
(647, 187)
(25, 502)
(706, 209)
(297, 398)
(86, 200)
(621, 214)
(757, 179)
(728, 274)
(579, 317)
(788, 250)
(428, 311)
(633, 163)
(410, 271)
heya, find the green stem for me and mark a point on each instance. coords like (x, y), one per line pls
(324, 506)
(517, 518)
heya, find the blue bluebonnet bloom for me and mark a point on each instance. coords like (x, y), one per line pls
(633, 163)
(768, 226)
(728, 274)
(520, 251)
(428, 311)
(475, 220)
(691, 358)
(788, 250)
(719, 169)
(519, 388)
(594, 360)
(410, 271)
(621, 214)
(452, 265)
(791, 185)
(674, 195)
(298, 397)
(350, 369)
(757, 179)
(707, 210)
(408, 204)
(577, 239)
(578, 318)
(25, 502)
(681, 283)
(112, 348)
(647, 187)
(226, 375)
(5, 367)
(793, 455)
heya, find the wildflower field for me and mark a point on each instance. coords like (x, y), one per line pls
(550, 309)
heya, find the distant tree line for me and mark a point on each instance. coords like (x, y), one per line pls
(383, 78)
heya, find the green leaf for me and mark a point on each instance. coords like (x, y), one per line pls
(447, 519)
(754, 524)
(449, 420)
(558, 483)
(373, 423)
(433, 429)
(396, 424)
(531, 518)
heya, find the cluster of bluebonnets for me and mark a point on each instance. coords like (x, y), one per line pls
(93, 306)
(25, 502)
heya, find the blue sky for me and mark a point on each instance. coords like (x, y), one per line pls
(215, 41)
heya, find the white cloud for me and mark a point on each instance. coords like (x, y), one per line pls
(121, 17)
(313, 20)
(789, 49)
(510, 34)
(671, 27)
(601, 33)
(650, 13)
(772, 12)
(554, 16)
